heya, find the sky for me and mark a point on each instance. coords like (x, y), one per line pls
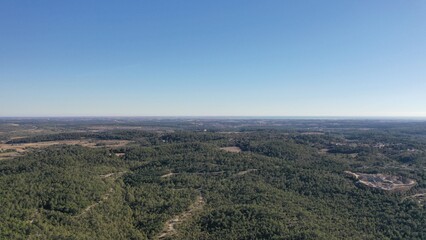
(213, 58)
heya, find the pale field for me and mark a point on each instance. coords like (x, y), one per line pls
(231, 149)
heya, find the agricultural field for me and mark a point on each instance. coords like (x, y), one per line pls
(149, 178)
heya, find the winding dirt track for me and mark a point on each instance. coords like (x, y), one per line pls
(169, 227)
(106, 195)
(103, 198)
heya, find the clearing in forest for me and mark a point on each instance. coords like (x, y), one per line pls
(245, 172)
(116, 174)
(382, 181)
(168, 175)
(231, 149)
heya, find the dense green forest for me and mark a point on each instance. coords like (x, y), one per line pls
(286, 181)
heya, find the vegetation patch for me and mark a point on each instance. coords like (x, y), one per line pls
(420, 197)
(176, 182)
(10, 150)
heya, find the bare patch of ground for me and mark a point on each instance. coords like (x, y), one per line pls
(382, 181)
(107, 175)
(106, 195)
(168, 175)
(8, 154)
(116, 175)
(323, 151)
(103, 198)
(231, 149)
(312, 133)
(170, 226)
(245, 172)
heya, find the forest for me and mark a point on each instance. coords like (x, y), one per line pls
(211, 179)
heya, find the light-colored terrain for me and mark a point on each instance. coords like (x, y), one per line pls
(168, 175)
(113, 177)
(382, 181)
(245, 172)
(103, 198)
(170, 226)
(231, 149)
(312, 133)
(120, 154)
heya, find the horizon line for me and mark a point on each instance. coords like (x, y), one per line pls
(223, 116)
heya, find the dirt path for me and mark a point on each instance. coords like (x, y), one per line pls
(116, 174)
(245, 172)
(168, 175)
(107, 175)
(103, 198)
(419, 195)
(231, 149)
(169, 227)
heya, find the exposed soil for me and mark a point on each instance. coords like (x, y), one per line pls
(245, 172)
(107, 175)
(382, 181)
(231, 149)
(106, 195)
(167, 175)
(7, 155)
(116, 175)
(312, 133)
(323, 151)
(103, 198)
(170, 226)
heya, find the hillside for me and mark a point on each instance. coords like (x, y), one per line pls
(223, 181)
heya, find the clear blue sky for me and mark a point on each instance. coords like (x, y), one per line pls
(210, 58)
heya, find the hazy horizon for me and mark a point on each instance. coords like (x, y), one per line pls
(222, 117)
(353, 59)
